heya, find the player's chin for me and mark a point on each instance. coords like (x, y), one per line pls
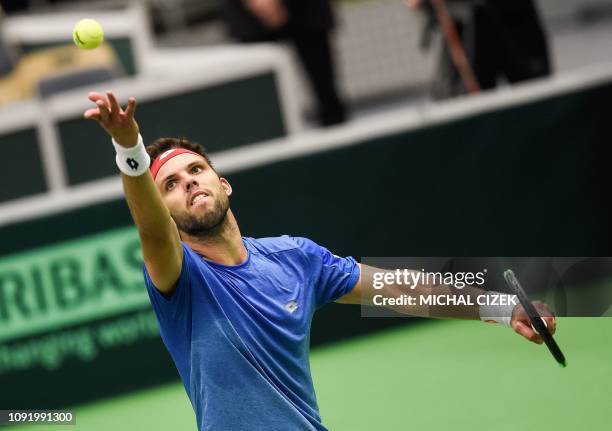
(199, 206)
(203, 214)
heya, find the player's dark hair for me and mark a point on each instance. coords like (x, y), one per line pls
(165, 144)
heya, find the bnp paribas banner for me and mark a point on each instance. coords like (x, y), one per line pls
(76, 323)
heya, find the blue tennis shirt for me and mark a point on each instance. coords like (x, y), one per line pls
(240, 335)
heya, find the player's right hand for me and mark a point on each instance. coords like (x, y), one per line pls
(118, 123)
(522, 324)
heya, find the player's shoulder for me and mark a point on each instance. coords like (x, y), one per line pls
(282, 243)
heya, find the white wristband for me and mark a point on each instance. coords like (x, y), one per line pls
(498, 313)
(133, 161)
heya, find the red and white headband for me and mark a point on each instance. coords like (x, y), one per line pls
(167, 155)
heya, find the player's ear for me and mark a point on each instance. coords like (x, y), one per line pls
(226, 186)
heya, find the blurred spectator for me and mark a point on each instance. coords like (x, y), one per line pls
(307, 24)
(14, 5)
(501, 38)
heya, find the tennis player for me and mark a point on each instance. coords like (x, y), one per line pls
(234, 312)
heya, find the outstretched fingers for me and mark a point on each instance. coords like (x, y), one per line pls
(94, 97)
(131, 108)
(108, 111)
(92, 114)
(104, 112)
(95, 113)
(115, 109)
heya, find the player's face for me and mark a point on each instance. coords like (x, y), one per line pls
(198, 199)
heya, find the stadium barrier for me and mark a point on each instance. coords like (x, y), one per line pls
(247, 94)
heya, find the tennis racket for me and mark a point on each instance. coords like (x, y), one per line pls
(536, 320)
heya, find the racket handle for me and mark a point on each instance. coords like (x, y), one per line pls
(536, 329)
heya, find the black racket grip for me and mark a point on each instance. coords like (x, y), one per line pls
(534, 316)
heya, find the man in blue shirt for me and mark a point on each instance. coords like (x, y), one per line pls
(234, 312)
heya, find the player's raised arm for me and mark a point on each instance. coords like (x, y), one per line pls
(159, 236)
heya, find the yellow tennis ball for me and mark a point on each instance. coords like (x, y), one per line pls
(88, 34)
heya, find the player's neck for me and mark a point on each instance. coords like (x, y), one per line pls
(223, 246)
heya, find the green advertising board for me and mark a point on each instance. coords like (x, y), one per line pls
(63, 308)
(76, 281)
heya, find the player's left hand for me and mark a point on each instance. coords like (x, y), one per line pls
(118, 123)
(522, 325)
